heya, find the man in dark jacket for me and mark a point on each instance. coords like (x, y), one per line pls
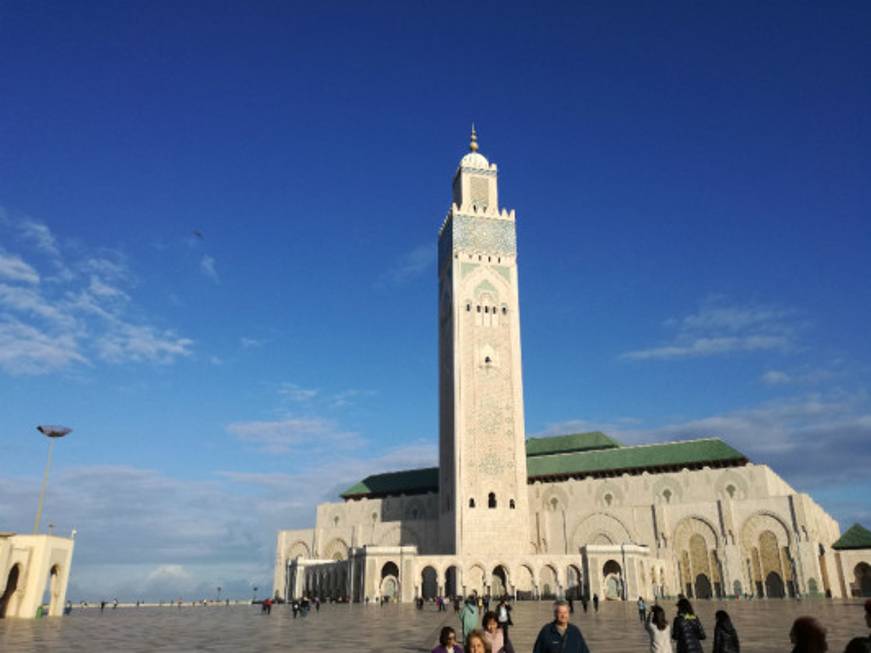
(560, 636)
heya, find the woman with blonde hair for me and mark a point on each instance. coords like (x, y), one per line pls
(476, 643)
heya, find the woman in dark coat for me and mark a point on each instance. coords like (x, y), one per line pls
(687, 630)
(725, 637)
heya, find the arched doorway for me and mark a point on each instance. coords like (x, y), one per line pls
(613, 575)
(499, 581)
(524, 584)
(474, 579)
(451, 581)
(548, 586)
(774, 587)
(11, 586)
(51, 594)
(390, 580)
(429, 585)
(573, 582)
(862, 576)
(703, 587)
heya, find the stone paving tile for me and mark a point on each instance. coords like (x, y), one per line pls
(762, 625)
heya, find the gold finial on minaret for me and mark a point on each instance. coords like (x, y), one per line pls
(473, 146)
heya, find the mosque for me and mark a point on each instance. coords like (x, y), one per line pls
(565, 516)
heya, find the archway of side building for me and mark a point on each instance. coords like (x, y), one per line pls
(499, 581)
(474, 579)
(861, 580)
(451, 588)
(524, 583)
(9, 591)
(429, 585)
(574, 583)
(612, 575)
(51, 595)
(389, 580)
(548, 585)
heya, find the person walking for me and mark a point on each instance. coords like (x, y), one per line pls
(469, 617)
(596, 602)
(503, 615)
(808, 636)
(687, 630)
(448, 642)
(642, 610)
(658, 630)
(584, 602)
(725, 636)
(560, 636)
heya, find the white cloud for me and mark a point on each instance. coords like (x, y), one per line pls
(410, 265)
(282, 436)
(776, 377)
(143, 534)
(141, 343)
(293, 392)
(831, 430)
(207, 267)
(40, 235)
(250, 343)
(85, 313)
(12, 267)
(718, 328)
(26, 350)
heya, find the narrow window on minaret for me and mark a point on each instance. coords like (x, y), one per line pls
(471, 503)
(468, 307)
(486, 309)
(504, 311)
(511, 504)
(479, 308)
(491, 500)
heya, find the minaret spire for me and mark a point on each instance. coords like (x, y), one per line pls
(473, 145)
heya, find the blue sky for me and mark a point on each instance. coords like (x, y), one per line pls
(691, 184)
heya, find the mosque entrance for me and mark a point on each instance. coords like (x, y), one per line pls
(613, 574)
(11, 586)
(774, 587)
(703, 587)
(499, 581)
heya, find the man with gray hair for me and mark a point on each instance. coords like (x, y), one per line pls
(560, 636)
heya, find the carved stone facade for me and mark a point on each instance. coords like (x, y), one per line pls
(701, 527)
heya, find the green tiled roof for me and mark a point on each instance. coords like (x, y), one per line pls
(412, 481)
(569, 443)
(856, 537)
(634, 459)
(561, 457)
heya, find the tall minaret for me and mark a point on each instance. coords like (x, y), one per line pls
(482, 450)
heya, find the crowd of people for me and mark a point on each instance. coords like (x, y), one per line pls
(684, 634)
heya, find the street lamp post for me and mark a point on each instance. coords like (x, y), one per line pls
(52, 433)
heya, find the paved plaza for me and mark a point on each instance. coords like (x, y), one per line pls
(762, 625)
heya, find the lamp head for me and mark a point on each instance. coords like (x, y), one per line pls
(53, 430)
